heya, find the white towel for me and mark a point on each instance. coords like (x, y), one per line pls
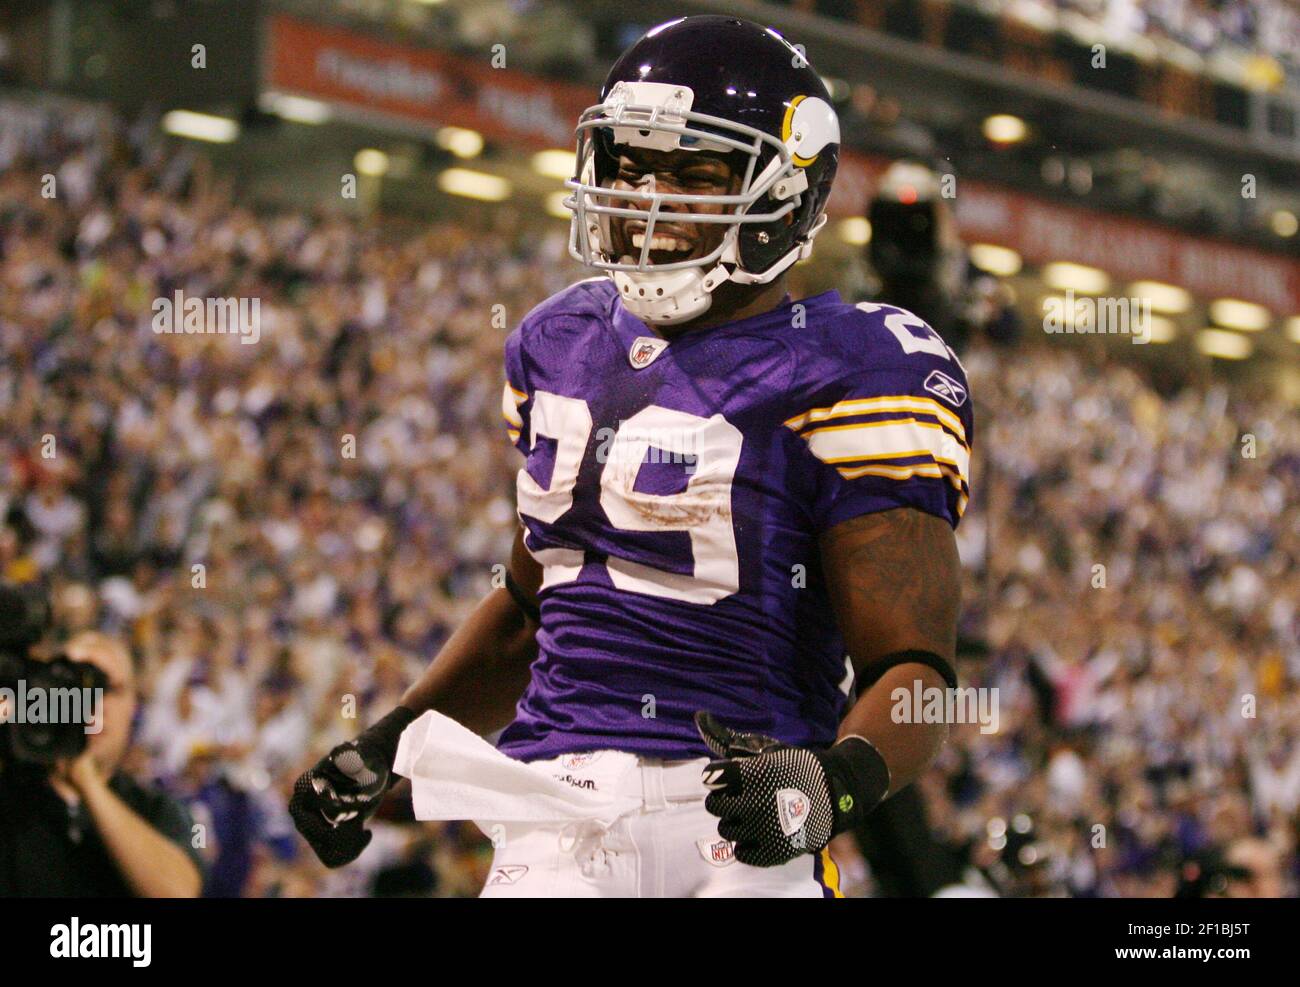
(455, 774)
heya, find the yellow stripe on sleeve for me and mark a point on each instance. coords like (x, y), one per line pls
(897, 438)
(901, 403)
(510, 402)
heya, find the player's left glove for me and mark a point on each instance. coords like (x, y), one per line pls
(332, 802)
(776, 802)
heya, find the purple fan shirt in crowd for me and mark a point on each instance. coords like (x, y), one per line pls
(675, 494)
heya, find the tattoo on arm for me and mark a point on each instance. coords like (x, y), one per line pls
(895, 583)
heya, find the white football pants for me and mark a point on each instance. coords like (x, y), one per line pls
(667, 847)
(606, 824)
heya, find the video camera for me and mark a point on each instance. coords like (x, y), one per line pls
(24, 620)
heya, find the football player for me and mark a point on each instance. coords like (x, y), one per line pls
(736, 508)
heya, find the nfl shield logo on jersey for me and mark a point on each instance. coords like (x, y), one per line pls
(644, 350)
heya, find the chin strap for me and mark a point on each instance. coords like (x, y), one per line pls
(669, 297)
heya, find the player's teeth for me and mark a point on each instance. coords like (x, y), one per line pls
(659, 242)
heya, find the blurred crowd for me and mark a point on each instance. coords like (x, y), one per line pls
(1257, 39)
(1262, 28)
(1170, 29)
(285, 532)
(1234, 39)
(1140, 608)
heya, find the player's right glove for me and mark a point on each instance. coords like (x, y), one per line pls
(332, 802)
(776, 802)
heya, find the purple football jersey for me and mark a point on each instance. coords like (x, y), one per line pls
(674, 493)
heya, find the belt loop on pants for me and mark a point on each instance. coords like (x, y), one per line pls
(676, 781)
(652, 785)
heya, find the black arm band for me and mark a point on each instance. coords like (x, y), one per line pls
(870, 676)
(521, 600)
(858, 778)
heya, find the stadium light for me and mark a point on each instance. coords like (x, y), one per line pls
(460, 141)
(1076, 277)
(1293, 328)
(1001, 261)
(1162, 330)
(474, 184)
(555, 205)
(1236, 314)
(1167, 298)
(1284, 223)
(555, 163)
(838, 88)
(296, 109)
(200, 126)
(1003, 128)
(855, 231)
(371, 161)
(1223, 344)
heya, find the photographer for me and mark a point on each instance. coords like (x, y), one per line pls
(921, 265)
(79, 827)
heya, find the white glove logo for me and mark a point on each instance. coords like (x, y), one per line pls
(792, 809)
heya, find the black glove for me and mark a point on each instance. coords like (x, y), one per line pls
(332, 802)
(776, 802)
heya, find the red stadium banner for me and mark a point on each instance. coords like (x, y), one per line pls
(418, 85)
(1128, 249)
(424, 87)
